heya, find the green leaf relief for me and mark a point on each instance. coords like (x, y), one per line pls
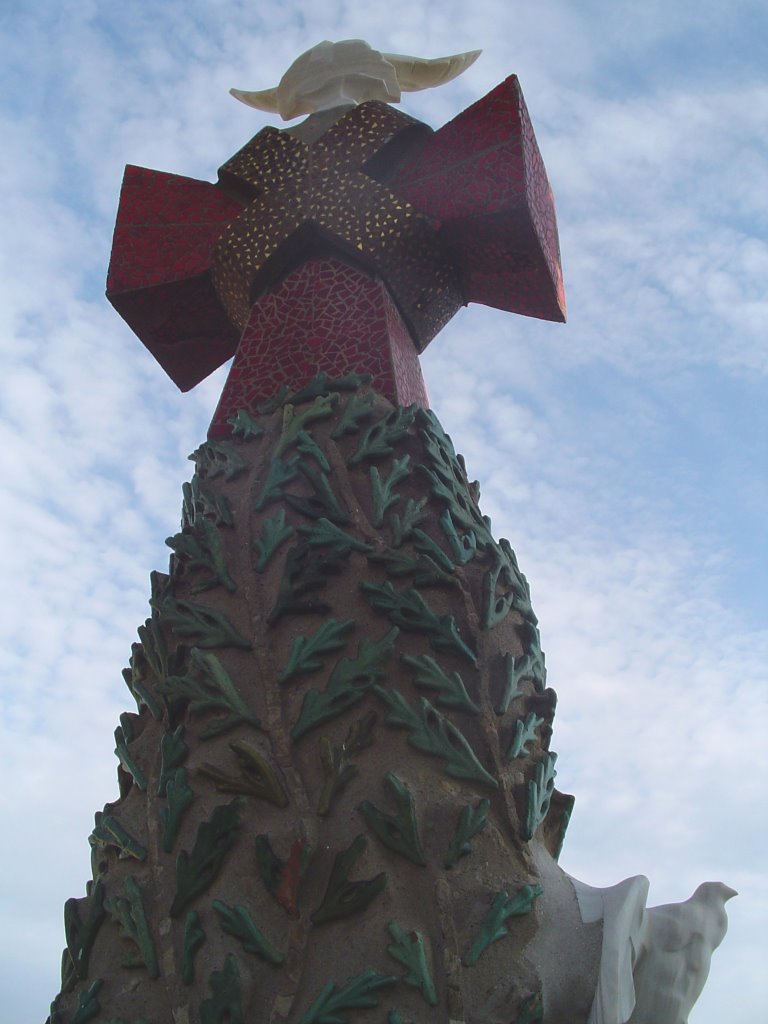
(305, 571)
(322, 503)
(358, 408)
(135, 677)
(383, 492)
(322, 384)
(256, 776)
(245, 426)
(273, 533)
(295, 423)
(210, 627)
(348, 683)
(530, 1011)
(88, 1004)
(199, 502)
(200, 547)
(528, 666)
(237, 921)
(338, 770)
(123, 736)
(408, 948)
(197, 870)
(427, 546)
(404, 525)
(208, 688)
(307, 445)
(525, 733)
(398, 832)
(505, 573)
(278, 475)
(306, 651)
(463, 548)
(179, 797)
(540, 790)
(472, 821)
(109, 832)
(324, 533)
(282, 878)
(224, 1005)
(342, 896)
(378, 439)
(409, 610)
(424, 570)
(493, 926)
(194, 937)
(173, 754)
(214, 458)
(128, 912)
(358, 992)
(451, 692)
(432, 733)
(80, 935)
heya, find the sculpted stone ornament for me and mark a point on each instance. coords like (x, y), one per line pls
(344, 74)
(337, 797)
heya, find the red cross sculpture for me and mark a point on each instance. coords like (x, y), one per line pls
(341, 248)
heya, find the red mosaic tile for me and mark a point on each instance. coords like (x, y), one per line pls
(325, 316)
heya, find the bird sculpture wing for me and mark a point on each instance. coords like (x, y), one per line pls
(622, 910)
(416, 73)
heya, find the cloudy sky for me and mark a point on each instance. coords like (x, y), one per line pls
(623, 454)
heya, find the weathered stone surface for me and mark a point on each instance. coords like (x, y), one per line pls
(336, 818)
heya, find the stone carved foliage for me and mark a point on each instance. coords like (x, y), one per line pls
(331, 595)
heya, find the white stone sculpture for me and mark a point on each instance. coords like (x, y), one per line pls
(350, 72)
(654, 960)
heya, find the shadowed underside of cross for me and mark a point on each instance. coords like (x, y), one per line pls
(341, 246)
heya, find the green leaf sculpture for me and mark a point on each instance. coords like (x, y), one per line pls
(109, 832)
(398, 832)
(472, 820)
(409, 610)
(196, 871)
(256, 777)
(408, 948)
(210, 627)
(80, 935)
(88, 1005)
(274, 532)
(180, 797)
(343, 896)
(434, 734)
(525, 733)
(128, 911)
(245, 426)
(306, 651)
(214, 458)
(194, 937)
(208, 688)
(123, 737)
(224, 1005)
(359, 992)
(540, 790)
(382, 490)
(378, 439)
(238, 922)
(493, 926)
(200, 547)
(358, 408)
(173, 754)
(338, 770)
(451, 692)
(278, 475)
(349, 682)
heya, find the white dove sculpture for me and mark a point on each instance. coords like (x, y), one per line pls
(654, 960)
(344, 74)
